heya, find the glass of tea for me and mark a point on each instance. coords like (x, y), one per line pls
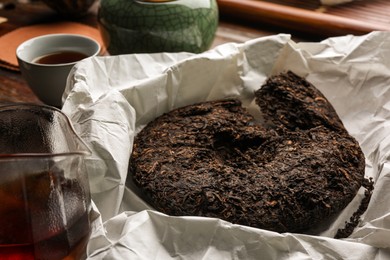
(45, 62)
(44, 188)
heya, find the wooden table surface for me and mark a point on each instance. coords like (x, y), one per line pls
(13, 87)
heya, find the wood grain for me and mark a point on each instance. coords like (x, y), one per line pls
(354, 18)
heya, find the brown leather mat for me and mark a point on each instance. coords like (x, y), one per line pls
(309, 16)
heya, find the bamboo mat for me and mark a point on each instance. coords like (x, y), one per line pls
(309, 16)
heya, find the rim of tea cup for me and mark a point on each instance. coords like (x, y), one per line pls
(58, 42)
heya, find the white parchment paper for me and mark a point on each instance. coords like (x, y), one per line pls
(109, 99)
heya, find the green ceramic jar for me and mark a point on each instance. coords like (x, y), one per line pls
(147, 26)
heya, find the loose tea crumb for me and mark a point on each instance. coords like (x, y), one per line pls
(355, 218)
(289, 173)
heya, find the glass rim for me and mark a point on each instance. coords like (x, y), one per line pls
(84, 150)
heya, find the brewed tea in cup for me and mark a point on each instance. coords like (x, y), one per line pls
(60, 57)
(45, 62)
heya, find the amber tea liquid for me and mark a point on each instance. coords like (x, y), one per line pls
(47, 221)
(60, 57)
(55, 247)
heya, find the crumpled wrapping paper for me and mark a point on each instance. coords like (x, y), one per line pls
(109, 99)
